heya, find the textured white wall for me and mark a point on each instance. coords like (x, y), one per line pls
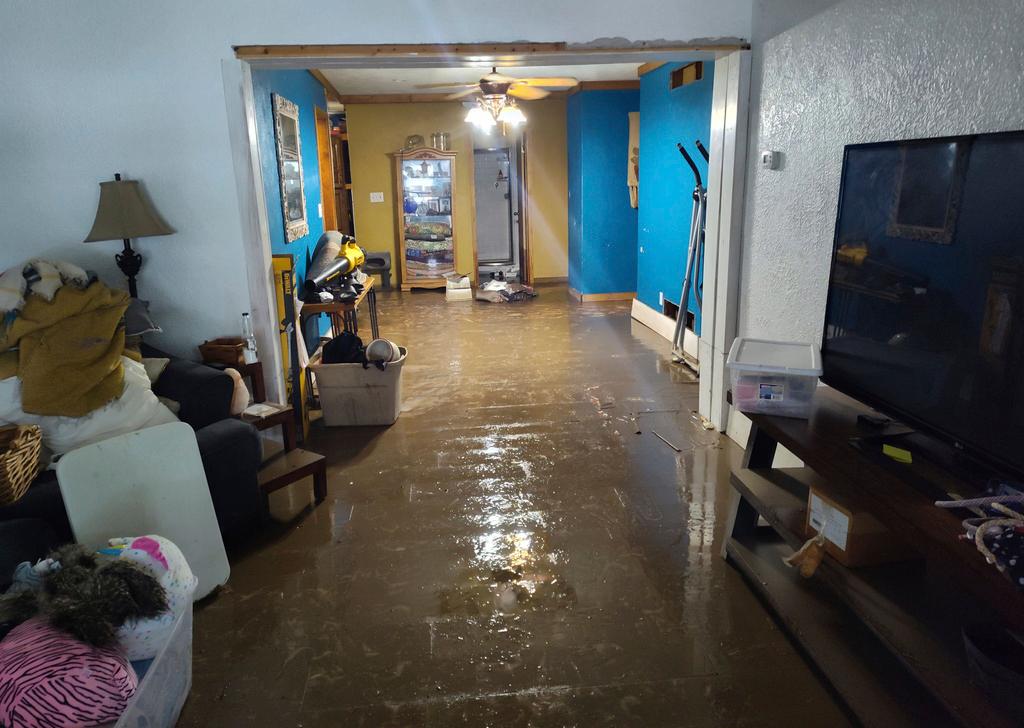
(860, 71)
(136, 86)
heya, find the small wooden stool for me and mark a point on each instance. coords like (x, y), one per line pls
(294, 463)
(292, 466)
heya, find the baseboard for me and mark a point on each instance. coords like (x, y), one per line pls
(597, 297)
(665, 326)
(551, 279)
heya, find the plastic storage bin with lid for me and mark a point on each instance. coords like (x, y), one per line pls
(352, 394)
(773, 377)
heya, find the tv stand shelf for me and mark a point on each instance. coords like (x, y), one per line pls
(908, 667)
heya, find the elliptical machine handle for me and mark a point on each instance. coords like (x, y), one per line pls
(703, 151)
(689, 161)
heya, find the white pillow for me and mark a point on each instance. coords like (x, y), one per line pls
(137, 408)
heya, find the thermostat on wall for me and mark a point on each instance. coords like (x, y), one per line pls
(770, 159)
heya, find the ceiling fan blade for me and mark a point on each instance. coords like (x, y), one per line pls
(528, 93)
(462, 94)
(446, 85)
(552, 82)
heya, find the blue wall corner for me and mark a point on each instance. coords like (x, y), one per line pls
(668, 116)
(574, 160)
(306, 92)
(602, 225)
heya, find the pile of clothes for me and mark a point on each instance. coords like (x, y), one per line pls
(64, 365)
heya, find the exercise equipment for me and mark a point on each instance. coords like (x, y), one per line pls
(694, 251)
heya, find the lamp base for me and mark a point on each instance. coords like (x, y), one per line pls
(130, 264)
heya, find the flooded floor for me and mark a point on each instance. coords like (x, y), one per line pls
(511, 552)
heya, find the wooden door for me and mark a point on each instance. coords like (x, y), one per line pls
(323, 152)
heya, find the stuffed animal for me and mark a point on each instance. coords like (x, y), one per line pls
(141, 637)
(84, 596)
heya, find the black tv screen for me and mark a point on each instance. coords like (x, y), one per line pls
(925, 313)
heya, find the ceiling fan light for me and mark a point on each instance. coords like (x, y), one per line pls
(512, 115)
(480, 118)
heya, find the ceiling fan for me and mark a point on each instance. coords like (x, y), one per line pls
(498, 84)
(498, 94)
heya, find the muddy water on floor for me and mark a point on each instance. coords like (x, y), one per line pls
(511, 552)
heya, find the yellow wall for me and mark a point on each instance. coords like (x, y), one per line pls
(375, 130)
(548, 187)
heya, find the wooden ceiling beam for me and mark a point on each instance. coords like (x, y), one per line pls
(454, 50)
(395, 99)
(332, 93)
(250, 52)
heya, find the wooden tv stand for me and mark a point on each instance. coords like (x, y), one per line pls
(887, 638)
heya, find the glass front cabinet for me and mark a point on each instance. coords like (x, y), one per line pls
(425, 197)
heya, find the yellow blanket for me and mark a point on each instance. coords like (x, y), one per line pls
(68, 350)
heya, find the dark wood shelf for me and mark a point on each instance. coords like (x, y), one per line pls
(915, 614)
(914, 610)
(875, 687)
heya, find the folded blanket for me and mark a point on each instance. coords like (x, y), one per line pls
(68, 350)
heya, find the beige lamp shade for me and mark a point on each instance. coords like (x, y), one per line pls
(125, 212)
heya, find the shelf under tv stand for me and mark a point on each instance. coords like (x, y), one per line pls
(887, 638)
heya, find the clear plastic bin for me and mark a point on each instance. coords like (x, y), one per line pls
(164, 686)
(352, 395)
(773, 377)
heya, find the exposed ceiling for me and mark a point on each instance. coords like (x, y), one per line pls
(360, 81)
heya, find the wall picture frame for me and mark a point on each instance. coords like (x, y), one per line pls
(289, 168)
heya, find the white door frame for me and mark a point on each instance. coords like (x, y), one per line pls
(724, 231)
(731, 108)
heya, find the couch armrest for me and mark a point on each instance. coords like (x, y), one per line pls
(231, 454)
(203, 392)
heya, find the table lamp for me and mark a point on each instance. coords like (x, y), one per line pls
(124, 212)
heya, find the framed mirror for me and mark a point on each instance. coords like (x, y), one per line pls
(289, 167)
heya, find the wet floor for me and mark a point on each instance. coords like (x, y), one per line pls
(511, 552)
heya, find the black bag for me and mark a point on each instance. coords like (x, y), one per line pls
(346, 348)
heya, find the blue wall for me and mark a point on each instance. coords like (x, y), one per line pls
(602, 225)
(305, 91)
(668, 116)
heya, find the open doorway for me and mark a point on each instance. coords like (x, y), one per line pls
(499, 187)
(380, 92)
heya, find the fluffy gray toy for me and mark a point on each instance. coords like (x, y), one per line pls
(86, 596)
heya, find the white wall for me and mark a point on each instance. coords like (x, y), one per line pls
(136, 86)
(860, 71)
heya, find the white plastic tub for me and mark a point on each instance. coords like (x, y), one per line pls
(773, 377)
(164, 686)
(351, 395)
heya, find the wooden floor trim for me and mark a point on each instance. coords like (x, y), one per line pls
(598, 297)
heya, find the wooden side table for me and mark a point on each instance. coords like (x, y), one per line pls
(343, 314)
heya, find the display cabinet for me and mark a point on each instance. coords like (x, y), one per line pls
(425, 201)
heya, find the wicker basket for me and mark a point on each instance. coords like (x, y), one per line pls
(228, 350)
(19, 460)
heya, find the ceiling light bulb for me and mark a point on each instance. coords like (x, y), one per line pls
(511, 115)
(480, 117)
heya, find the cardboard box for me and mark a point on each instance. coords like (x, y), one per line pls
(853, 537)
(459, 294)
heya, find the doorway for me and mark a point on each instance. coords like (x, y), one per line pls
(498, 182)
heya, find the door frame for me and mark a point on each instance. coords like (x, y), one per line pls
(325, 151)
(241, 118)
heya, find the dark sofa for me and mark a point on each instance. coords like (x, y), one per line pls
(230, 450)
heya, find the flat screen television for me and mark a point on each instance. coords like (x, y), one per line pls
(925, 312)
